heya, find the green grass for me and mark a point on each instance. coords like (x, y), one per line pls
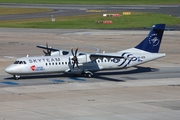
(115, 2)
(135, 20)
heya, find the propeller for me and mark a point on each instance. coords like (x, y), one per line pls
(48, 52)
(75, 59)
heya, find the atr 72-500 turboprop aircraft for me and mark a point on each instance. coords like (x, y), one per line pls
(82, 63)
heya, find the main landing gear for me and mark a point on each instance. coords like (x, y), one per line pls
(16, 77)
(88, 74)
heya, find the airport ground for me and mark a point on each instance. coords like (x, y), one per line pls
(148, 92)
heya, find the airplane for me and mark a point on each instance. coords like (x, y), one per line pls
(81, 63)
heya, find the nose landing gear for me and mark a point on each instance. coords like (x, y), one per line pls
(16, 77)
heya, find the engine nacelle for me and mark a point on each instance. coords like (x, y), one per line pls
(74, 72)
(84, 58)
(55, 53)
(60, 52)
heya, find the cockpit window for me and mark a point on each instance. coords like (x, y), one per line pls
(20, 62)
(16, 62)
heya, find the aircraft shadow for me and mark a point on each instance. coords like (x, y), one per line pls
(40, 76)
(106, 75)
(103, 75)
(134, 71)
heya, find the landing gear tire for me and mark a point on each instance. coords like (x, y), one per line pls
(16, 77)
(88, 75)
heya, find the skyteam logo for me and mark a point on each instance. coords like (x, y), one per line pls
(35, 68)
(129, 58)
(154, 40)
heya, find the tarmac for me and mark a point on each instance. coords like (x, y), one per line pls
(151, 93)
(158, 99)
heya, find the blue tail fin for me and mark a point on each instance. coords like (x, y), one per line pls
(152, 42)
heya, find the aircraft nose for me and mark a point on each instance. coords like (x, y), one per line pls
(9, 70)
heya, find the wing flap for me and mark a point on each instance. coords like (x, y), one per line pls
(101, 56)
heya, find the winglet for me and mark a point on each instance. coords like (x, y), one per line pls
(152, 42)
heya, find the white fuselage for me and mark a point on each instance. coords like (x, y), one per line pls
(59, 64)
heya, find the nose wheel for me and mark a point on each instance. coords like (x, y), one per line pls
(16, 77)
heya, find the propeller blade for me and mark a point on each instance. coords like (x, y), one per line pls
(48, 51)
(75, 59)
(45, 52)
(76, 51)
(72, 52)
(77, 64)
(46, 45)
(73, 64)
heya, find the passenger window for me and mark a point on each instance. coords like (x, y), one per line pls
(65, 62)
(52, 63)
(62, 62)
(46, 64)
(49, 63)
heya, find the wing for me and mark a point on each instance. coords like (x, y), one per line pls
(47, 48)
(107, 56)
